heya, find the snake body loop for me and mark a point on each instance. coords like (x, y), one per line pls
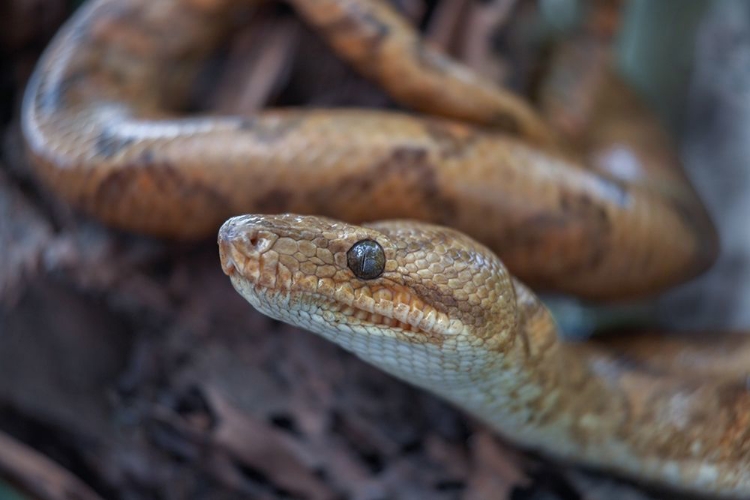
(102, 127)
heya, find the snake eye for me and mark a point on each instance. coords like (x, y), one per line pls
(366, 259)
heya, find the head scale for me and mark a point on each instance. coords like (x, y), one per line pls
(403, 295)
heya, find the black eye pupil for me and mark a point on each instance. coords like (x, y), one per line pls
(366, 259)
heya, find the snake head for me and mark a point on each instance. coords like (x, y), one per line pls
(403, 295)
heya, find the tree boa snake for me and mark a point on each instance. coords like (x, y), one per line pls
(426, 303)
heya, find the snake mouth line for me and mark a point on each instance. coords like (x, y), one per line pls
(371, 318)
(392, 306)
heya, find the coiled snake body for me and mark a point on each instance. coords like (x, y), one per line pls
(421, 301)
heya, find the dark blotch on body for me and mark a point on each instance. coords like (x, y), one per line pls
(121, 189)
(414, 162)
(595, 218)
(577, 214)
(409, 169)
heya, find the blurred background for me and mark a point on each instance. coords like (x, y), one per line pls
(130, 369)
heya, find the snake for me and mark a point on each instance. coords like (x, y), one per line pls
(394, 233)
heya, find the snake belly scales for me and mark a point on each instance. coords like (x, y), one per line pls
(418, 299)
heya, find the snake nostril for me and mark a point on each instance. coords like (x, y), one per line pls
(257, 241)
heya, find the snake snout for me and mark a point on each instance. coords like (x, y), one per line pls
(227, 254)
(241, 241)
